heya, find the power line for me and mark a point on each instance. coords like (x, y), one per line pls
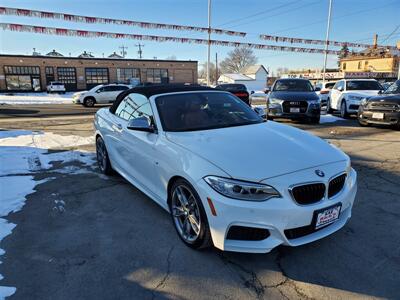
(274, 15)
(393, 32)
(259, 13)
(338, 17)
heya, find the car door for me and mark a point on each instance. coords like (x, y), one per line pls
(136, 155)
(336, 93)
(101, 95)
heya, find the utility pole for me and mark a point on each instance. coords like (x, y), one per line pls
(216, 68)
(123, 52)
(327, 40)
(209, 42)
(140, 52)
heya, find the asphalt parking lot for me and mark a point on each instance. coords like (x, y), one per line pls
(110, 241)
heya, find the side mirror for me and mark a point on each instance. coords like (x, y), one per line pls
(340, 89)
(252, 92)
(141, 124)
(317, 89)
(99, 91)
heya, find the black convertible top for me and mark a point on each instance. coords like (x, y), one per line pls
(152, 90)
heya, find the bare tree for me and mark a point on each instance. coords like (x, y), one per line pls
(203, 72)
(281, 70)
(238, 59)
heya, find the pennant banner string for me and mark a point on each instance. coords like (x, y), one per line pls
(154, 38)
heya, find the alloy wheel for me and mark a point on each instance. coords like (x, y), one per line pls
(101, 154)
(186, 214)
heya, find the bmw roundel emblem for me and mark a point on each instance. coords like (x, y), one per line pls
(320, 173)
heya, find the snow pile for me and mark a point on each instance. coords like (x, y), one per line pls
(22, 153)
(329, 119)
(35, 98)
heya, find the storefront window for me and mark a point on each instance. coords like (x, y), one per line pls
(96, 76)
(127, 75)
(22, 78)
(157, 75)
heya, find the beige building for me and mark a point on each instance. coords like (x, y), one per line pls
(378, 61)
(33, 73)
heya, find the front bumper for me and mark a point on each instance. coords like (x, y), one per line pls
(277, 112)
(277, 214)
(389, 118)
(76, 100)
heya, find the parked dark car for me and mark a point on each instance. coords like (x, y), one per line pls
(239, 90)
(381, 109)
(293, 99)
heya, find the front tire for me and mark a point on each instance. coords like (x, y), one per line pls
(343, 110)
(89, 102)
(329, 109)
(103, 160)
(315, 120)
(188, 215)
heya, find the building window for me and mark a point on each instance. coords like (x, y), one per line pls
(344, 66)
(359, 65)
(22, 78)
(49, 75)
(157, 75)
(96, 76)
(366, 64)
(127, 75)
(67, 76)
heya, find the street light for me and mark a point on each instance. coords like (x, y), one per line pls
(209, 42)
(327, 40)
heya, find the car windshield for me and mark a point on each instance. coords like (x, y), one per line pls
(293, 86)
(202, 111)
(363, 85)
(56, 83)
(329, 85)
(394, 88)
(232, 87)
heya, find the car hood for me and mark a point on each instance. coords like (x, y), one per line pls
(294, 96)
(362, 93)
(394, 98)
(79, 93)
(260, 151)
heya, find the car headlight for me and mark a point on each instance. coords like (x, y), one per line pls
(363, 101)
(355, 98)
(275, 101)
(241, 190)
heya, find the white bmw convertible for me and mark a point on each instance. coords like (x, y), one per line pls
(227, 177)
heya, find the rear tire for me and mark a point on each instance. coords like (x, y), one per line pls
(89, 102)
(188, 215)
(343, 110)
(102, 157)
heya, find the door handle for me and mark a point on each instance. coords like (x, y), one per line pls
(117, 127)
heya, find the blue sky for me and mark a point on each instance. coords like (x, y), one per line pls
(352, 20)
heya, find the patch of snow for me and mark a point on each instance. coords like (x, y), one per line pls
(35, 98)
(329, 119)
(23, 153)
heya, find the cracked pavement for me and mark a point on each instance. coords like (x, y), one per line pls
(110, 241)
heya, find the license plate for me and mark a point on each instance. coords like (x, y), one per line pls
(327, 216)
(295, 109)
(378, 115)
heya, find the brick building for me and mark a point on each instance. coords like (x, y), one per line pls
(33, 73)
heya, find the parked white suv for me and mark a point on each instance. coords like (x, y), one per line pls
(347, 94)
(56, 87)
(100, 94)
(322, 90)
